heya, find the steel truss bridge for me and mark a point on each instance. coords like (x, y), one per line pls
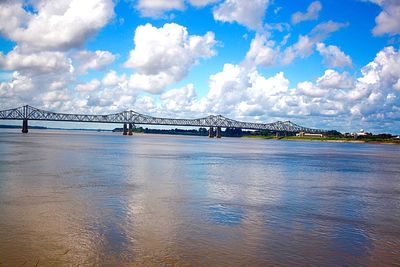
(131, 118)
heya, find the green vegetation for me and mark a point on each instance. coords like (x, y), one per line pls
(229, 132)
(330, 136)
(341, 138)
(19, 127)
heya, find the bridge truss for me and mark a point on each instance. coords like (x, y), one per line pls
(131, 117)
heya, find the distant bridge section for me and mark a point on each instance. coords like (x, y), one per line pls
(131, 118)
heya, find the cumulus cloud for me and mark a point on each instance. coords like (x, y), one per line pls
(59, 25)
(239, 92)
(305, 44)
(333, 56)
(244, 12)
(265, 52)
(302, 48)
(376, 92)
(152, 83)
(87, 87)
(35, 63)
(44, 60)
(97, 60)
(113, 79)
(156, 8)
(159, 8)
(262, 51)
(35, 90)
(202, 3)
(16, 87)
(176, 99)
(165, 55)
(243, 93)
(333, 79)
(373, 96)
(387, 22)
(324, 29)
(312, 13)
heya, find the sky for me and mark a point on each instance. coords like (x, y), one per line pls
(324, 64)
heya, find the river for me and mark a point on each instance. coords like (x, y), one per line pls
(88, 198)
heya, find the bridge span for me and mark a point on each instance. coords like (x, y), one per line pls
(130, 118)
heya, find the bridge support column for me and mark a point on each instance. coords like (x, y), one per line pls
(125, 131)
(130, 129)
(25, 126)
(218, 132)
(211, 132)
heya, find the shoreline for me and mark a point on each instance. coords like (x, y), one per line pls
(386, 142)
(287, 138)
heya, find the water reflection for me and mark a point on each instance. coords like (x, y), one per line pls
(83, 198)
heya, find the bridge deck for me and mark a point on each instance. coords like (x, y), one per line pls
(31, 113)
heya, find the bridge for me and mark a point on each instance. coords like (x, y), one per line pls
(130, 118)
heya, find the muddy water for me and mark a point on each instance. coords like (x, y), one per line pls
(76, 198)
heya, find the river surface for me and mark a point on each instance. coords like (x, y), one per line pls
(87, 198)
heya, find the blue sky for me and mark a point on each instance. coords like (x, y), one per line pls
(325, 64)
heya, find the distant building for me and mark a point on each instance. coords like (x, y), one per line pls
(304, 134)
(361, 133)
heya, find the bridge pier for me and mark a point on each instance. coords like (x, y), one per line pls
(125, 130)
(25, 126)
(218, 132)
(211, 132)
(130, 132)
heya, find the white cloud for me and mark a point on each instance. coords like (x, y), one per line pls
(312, 13)
(35, 63)
(59, 25)
(151, 83)
(302, 48)
(228, 85)
(384, 70)
(239, 92)
(97, 60)
(113, 79)
(88, 87)
(177, 99)
(18, 85)
(202, 3)
(165, 55)
(244, 12)
(324, 29)
(12, 15)
(265, 52)
(262, 51)
(46, 34)
(156, 8)
(397, 85)
(159, 8)
(305, 44)
(327, 85)
(309, 89)
(333, 56)
(243, 93)
(333, 79)
(387, 22)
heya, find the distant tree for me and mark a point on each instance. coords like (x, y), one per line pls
(334, 133)
(233, 132)
(384, 136)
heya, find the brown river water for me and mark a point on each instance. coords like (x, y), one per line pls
(102, 199)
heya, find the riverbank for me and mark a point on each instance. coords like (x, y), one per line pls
(328, 139)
